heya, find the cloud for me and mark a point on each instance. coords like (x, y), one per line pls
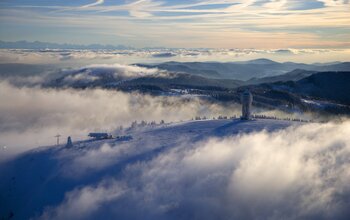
(296, 173)
(333, 3)
(228, 24)
(98, 158)
(110, 72)
(129, 71)
(98, 2)
(36, 115)
(302, 5)
(82, 203)
(78, 58)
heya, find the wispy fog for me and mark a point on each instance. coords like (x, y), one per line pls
(95, 72)
(296, 173)
(33, 116)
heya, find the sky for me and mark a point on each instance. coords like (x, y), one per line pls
(263, 24)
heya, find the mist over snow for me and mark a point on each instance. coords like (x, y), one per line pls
(294, 173)
(36, 114)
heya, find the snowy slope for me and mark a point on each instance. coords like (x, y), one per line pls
(41, 178)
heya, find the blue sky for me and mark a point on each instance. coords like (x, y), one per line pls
(180, 23)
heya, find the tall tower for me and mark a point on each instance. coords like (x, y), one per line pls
(246, 99)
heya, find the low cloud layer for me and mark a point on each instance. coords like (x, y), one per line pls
(107, 73)
(36, 114)
(296, 173)
(32, 116)
(85, 57)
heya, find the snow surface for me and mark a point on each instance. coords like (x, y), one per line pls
(322, 104)
(40, 178)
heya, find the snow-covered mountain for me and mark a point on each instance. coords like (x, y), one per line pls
(209, 169)
(41, 178)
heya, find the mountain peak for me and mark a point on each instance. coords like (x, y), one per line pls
(261, 61)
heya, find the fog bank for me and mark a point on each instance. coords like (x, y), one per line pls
(296, 173)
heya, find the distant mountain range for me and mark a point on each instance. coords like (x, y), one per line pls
(248, 70)
(313, 89)
(46, 45)
(326, 92)
(294, 75)
(85, 78)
